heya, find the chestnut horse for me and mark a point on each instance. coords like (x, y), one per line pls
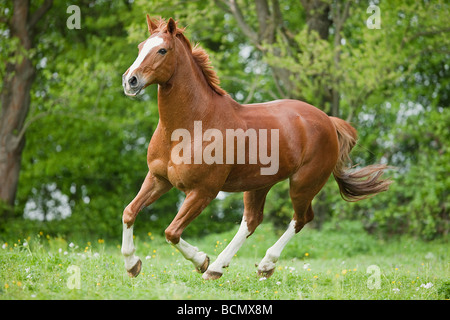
(310, 146)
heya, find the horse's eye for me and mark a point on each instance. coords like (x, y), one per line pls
(162, 51)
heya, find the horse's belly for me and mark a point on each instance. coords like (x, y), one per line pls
(249, 177)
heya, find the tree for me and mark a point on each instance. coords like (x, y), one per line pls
(86, 141)
(18, 75)
(275, 34)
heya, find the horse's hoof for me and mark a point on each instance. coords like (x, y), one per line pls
(211, 275)
(266, 273)
(204, 265)
(134, 272)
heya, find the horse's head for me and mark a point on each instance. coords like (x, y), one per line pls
(156, 59)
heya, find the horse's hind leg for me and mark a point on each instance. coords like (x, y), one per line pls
(302, 190)
(267, 265)
(253, 215)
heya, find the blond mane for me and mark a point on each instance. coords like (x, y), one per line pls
(200, 56)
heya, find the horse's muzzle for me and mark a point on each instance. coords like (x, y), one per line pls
(131, 86)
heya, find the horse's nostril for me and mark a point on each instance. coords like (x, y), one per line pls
(133, 81)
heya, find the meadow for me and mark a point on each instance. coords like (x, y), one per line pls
(335, 263)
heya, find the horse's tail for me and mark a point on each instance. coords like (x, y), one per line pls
(356, 184)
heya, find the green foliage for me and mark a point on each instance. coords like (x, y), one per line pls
(421, 201)
(85, 154)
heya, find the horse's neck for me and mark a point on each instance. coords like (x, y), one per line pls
(186, 97)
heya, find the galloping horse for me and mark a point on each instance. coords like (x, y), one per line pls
(308, 145)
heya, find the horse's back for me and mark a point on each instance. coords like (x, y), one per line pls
(306, 135)
(295, 119)
(317, 137)
(285, 108)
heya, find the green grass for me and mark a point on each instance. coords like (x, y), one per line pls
(330, 264)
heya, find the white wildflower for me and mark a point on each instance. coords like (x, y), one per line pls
(71, 245)
(426, 286)
(429, 256)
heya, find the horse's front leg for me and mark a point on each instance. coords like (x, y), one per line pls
(192, 206)
(152, 188)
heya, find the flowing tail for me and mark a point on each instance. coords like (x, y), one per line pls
(358, 184)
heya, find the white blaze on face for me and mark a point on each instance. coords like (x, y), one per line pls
(148, 46)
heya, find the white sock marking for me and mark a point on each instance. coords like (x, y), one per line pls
(274, 252)
(128, 248)
(224, 258)
(191, 253)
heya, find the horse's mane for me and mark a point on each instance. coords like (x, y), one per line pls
(199, 54)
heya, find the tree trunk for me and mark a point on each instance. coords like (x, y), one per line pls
(317, 18)
(15, 98)
(317, 12)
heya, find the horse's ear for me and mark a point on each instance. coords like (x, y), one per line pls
(171, 26)
(151, 25)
